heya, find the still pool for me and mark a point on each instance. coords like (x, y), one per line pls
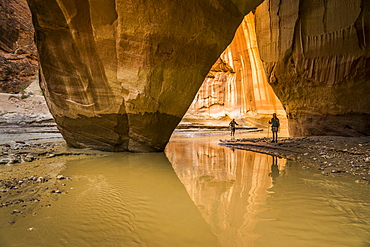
(197, 193)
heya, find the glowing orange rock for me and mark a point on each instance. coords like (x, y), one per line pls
(120, 75)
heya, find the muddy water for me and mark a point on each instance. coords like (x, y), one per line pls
(197, 194)
(252, 199)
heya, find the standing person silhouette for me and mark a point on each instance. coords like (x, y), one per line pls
(274, 169)
(232, 127)
(275, 124)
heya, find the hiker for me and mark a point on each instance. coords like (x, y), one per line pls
(232, 127)
(275, 124)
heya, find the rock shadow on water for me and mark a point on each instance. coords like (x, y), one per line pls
(121, 199)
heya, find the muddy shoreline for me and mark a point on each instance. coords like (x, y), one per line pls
(31, 178)
(329, 155)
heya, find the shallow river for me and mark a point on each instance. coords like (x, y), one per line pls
(196, 194)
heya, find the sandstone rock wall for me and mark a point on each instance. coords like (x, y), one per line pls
(18, 55)
(120, 75)
(316, 56)
(216, 94)
(236, 85)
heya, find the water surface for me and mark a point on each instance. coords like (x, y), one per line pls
(252, 199)
(196, 194)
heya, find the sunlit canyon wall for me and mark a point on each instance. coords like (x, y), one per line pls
(120, 75)
(316, 58)
(229, 187)
(236, 86)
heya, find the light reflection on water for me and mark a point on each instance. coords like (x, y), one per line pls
(210, 196)
(227, 185)
(252, 199)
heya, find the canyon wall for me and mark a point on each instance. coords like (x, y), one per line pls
(120, 75)
(317, 58)
(18, 55)
(236, 85)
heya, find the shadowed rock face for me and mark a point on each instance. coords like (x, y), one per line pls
(317, 56)
(18, 55)
(119, 75)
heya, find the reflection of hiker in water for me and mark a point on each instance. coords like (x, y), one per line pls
(232, 127)
(275, 124)
(274, 169)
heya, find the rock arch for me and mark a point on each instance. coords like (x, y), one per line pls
(119, 76)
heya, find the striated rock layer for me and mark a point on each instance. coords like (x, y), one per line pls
(18, 55)
(317, 58)
(236, 85)
(120, 75)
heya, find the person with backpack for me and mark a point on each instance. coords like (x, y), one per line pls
(275, 124)
(232, 127)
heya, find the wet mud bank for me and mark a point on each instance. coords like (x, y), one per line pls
(30, 176)
(329, 155)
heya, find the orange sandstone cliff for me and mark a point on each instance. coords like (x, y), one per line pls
(120, 75)
(236, 86)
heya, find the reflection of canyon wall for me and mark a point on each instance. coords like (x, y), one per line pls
(236, 85)
(227, 186)
(317, 57)
(18, 56)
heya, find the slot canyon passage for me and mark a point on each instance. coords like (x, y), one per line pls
(157, 84)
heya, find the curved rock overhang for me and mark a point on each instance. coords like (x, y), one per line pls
(118, 75)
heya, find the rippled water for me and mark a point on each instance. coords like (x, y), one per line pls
(198, 194)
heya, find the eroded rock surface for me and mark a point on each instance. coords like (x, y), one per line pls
(317, 56)
(237, 86)
(120, 75)
(18, 55)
